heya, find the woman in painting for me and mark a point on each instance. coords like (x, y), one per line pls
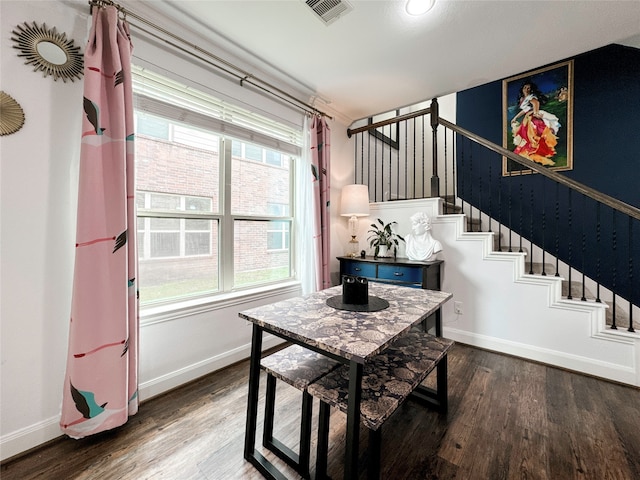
(536, 137)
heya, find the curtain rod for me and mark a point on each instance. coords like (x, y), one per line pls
(243, 76)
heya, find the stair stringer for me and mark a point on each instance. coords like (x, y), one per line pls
(580, 339)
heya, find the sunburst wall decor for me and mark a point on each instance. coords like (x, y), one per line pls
(28, 38)
(11, 115)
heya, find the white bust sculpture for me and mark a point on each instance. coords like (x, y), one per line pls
(420, 244)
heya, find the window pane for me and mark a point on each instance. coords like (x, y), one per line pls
(256, 186)
(185, 166)
(182, 276)
(191, 224)
(252, 152)
(274, 158)
(164, 202)
(277, 235)
(165, 224)
(253, 262)
(164, 244)
(197, 204)
(152, 126)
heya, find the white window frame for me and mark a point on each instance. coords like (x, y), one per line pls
(222, 128)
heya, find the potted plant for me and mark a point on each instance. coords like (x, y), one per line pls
(383, 239)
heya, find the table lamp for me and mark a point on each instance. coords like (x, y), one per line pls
(354, 204)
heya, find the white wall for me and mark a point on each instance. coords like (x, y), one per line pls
(38, 190)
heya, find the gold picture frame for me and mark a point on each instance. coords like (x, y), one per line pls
(11, 115)
(48, 51)
(537, 123)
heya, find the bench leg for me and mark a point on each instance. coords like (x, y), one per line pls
(323, 440)
(305, 435)
(375, 450)
(442, 385)
(437, 397)
(269, 407)
(298, 461)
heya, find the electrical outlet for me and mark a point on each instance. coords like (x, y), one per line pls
(457, 308)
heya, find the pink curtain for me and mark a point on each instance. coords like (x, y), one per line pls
(320, 161)
(101, 382)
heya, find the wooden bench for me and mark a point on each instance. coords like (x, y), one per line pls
(387, 381)
(298, 367)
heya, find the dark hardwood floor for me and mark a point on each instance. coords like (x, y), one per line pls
(508, 419)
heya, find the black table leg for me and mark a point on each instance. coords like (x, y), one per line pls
(254, 386)
(353, 421)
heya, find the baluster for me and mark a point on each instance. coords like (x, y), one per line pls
(415, 176)
(584, 246)
(355, 163)
(454, 181)
(509, 210)
(614, 248)
(446, 169)
(521, 202)
(369, 169)
(530, 232)
(570, 237)
(362, 159)
(462, 170)
(375, 156)
(557, 245)
(424, 174)
(598, 253)
(544, 224)
(397, 164)
(406, 160)
(630, 329)
(490, 195)
(390, 160)
(471, 186)
(480, 203)
(500, 186)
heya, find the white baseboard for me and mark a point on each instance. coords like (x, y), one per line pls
(169, 381)
(626, 374)
(30, 437)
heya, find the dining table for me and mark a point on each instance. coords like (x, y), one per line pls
(350, 337)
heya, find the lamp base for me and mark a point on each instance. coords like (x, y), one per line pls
(353, 248)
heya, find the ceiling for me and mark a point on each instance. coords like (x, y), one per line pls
(376, 58)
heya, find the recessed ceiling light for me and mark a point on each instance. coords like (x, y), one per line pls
(419, 7)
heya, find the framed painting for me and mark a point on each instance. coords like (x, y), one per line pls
(537, 109)
(388, 134)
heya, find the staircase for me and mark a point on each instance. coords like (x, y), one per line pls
(509, 310)
(583, 290)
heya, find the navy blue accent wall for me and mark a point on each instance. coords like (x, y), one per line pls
(606, 157)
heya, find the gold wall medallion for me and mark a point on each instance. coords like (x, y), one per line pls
(11, 115)
(48, 51)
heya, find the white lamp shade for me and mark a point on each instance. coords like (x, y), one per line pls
(355, 201)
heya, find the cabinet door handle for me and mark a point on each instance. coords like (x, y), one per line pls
(358, 269)
(398, 274)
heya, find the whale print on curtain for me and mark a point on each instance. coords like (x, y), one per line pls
(320, 160)
(100, 387)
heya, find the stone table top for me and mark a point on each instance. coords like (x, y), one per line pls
(350, 335)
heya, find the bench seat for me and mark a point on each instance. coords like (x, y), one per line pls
(387, 381)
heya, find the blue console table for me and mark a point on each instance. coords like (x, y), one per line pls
(401, 272)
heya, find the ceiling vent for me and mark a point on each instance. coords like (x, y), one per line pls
(329, 10)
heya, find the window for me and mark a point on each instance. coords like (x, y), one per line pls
(214, 201)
